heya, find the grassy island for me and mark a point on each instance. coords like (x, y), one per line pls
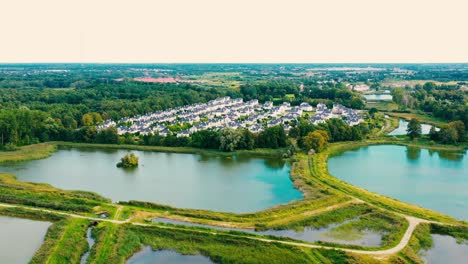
(128, 161)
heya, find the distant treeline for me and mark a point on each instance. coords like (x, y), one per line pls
(446, 102)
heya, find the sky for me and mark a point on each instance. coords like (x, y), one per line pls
(255, 31)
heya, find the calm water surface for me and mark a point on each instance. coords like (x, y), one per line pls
(20, 239)
(368, 238)
(445, 250)
(149, 256)
(403, 125)
(232, 184)
(435, 180)
(91, 242)
(378, 97)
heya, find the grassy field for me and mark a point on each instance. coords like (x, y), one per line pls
(65, 243)
(30, 152)
(46, 196)
(382, 105)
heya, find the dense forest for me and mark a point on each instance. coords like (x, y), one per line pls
(446, 102)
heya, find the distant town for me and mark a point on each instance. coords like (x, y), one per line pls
(228, 112)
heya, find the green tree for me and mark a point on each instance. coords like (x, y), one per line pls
(398, 94)
(433, 135)
(108, 136)
(229, 139)
(316, 140)
(448, 135)
(128, 161)
(372, 111)
(205, 139)
(87, 120)
(247, 140)
(414, 128)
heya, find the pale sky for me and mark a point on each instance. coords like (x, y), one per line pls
(233, 31)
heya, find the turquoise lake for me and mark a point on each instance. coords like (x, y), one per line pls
(232, 184)
(436, 180)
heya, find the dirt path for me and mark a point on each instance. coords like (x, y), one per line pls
(315, 212)
(118, 212)
(413, 223)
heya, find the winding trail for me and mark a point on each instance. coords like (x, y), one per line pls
(413, 223)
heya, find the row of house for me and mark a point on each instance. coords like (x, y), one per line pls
(322, 113)
(226, 112)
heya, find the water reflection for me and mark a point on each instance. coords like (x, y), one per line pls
(451, 155)
(149, 256)
(435, 181)
(413, 153)
(244, 183)
(91, 242)
(403, 126)
(325, 234)
(445, 250)
(20, 238)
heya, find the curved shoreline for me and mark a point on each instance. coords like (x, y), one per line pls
(312, 172)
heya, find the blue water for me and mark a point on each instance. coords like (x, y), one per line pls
(20, 239)
(445, 250)
(378, 97)
(150, 256)
(368, 238)
(231, 184)
(403, 126)
(435, 180)
(91, 242)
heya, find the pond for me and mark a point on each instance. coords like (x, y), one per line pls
(378, 97)
(445, 249)
(20, 238)
(232, 184)
(403, 125)
(149, 256)
(326, 234)
(435, 180)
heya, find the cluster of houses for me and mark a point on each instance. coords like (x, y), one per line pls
(227, 112)
(322, 113)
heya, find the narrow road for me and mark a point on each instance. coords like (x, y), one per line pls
(118, 212)
(413, 223)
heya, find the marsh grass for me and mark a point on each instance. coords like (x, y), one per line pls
(30, 152)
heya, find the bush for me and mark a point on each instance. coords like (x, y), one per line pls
(128, 161)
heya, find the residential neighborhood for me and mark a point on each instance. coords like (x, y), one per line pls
(228, 112)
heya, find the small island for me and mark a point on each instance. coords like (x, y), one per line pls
(128, 161)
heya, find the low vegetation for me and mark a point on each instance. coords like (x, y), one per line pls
(65, 242)
(128, 161)
(46, 196)
(120, 243)
(30, 152)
